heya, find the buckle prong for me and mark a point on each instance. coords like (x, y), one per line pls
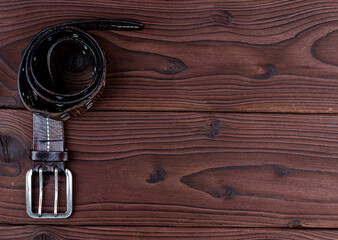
(69, 195)
(40, 191)
(56, 194)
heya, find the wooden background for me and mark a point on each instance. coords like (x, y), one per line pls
(218, 121)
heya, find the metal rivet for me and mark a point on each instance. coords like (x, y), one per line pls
(65, 117)
(89, 105)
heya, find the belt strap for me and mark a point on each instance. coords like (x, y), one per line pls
(48, 145)
(37, 88)
(51, 104)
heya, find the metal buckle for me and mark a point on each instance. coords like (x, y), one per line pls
(69, 195)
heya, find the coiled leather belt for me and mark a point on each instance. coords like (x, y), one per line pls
(49, 64)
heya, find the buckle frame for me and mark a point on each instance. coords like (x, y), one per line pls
(69, 195)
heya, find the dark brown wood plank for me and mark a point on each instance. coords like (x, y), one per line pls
(149, 233)
(184, 169)
(245, 56)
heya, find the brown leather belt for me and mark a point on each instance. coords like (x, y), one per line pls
(52, 99)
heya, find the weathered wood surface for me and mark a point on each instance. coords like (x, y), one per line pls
(239, 56)
(153, 233)
(137, 165)
(184, 169)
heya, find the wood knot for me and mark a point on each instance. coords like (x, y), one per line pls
(295, 224)
(158, 174)
(281, 171)
(214, 128)
(323, 48)
(11, 152)
(227, 192)
(222, 17)
(228, 17)
(4, 142)
(174, 66)
(44, 236)
(267, 71)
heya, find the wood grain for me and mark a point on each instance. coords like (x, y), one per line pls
(107, 232)
(163, 155)
(184, 169)
(228, 56)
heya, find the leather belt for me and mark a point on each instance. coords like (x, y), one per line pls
(49, 85)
